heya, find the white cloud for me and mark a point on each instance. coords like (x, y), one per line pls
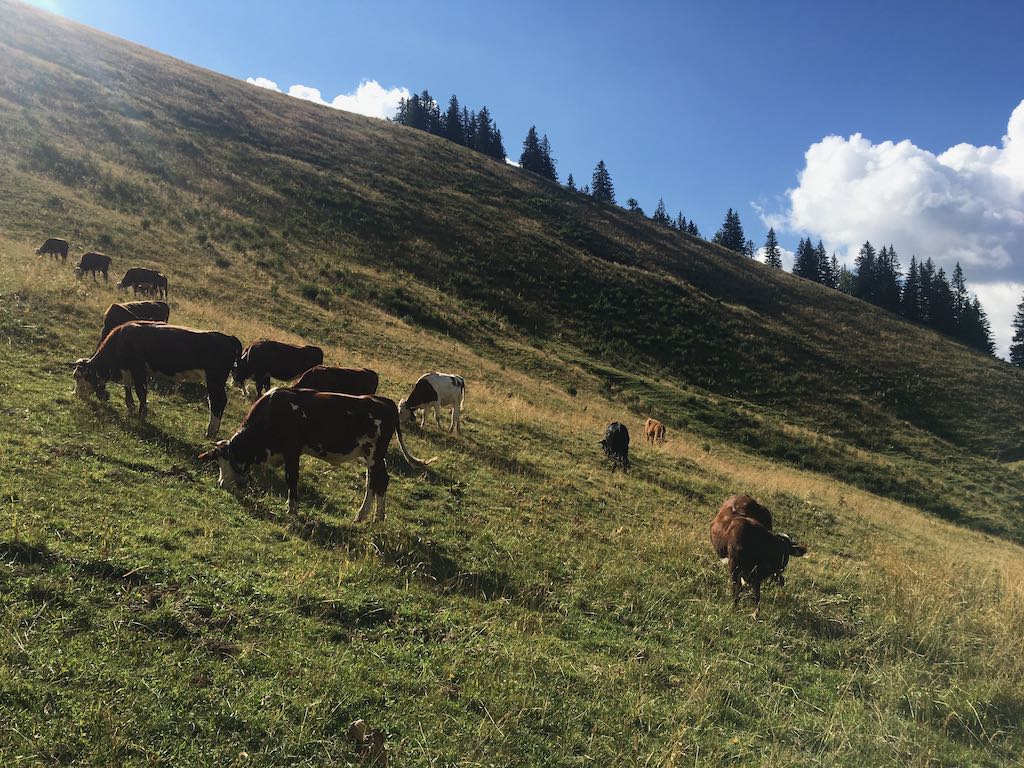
(1000, 301)
(965, 204)
(510, 161)
(370, 98)
(263, 82)
(787, 257)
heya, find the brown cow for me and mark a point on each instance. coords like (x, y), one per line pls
(654, 432)
(264, 359)
(119, 314)
(342, 381)
(149, 281)
(93, 262)
(55, 247)
(133, 349)
(287, 422)
(733, 507)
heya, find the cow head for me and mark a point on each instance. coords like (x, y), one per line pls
(231, 470)
(239, 375)
(87, 381)
(789, 549)
(405, 413)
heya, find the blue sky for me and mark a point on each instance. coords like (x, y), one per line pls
(709, 105)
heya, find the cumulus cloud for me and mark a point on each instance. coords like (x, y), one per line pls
(965, 204)
(370, 98)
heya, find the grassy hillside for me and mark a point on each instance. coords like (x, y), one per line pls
(222, 185)
(521, 605)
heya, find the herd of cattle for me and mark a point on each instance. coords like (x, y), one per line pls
(335, 414)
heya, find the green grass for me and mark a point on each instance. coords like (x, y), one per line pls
(522, 604)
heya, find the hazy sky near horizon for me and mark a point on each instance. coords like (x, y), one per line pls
(893, 122)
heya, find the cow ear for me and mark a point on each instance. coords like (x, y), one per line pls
(797, 550)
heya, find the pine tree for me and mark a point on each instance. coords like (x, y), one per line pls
(925, 279)
(731, 234)
(633, 206)
(680, 224)
(432, 122)
(940, 304)
(453, 122)
(845, 281)
(1017, 342)
(691, 229)
(749, 249)
(469, 128)
(603, 191)
(531, 158)
(822, 259)
(831, 278)
(960, 297)
(887, 279)
(864, 280)
(549, 171)
(973, 328)
(910, 298)
(772, 254)
(661, 214)
(571, 183)
(805, 262)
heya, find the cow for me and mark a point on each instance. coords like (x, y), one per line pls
(342, 381)
(149, 281)
(733, 507)
(654, 431)
(133, 349)
(93, 262)
(55, 247)
(287, 422)
(755, 553)
(616, 444)
(119, 314)
(263, 359)
(435, 390)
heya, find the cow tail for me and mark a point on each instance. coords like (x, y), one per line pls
(462, 403)
(412, 460)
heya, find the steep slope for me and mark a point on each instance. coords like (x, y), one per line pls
(221, 183)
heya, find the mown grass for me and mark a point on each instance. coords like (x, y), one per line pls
(521, 604)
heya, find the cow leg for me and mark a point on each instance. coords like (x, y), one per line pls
(126, 379)
(263, 385)
(437, 413)
(217, 394)
(755, 586)
(456, 418)
(364, 509)
(737, 586)
(139, 380)
(423, 418)
(291, 476)
(377, 474)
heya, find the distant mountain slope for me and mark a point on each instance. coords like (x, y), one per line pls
(242, 195)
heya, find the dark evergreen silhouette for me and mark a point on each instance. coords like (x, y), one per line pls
(453, 122)
(910, 300)
(680, 223)
(731, 234)
(692, 230)
(830, 277)
(887, 280)
(864, 286)
(571, 183)
(633, 206)
(549, 163)
(805, 262)
(772, 254)
(602, 189)
(1017, 342)
(530, 159)
(661, 215)
(749, 249)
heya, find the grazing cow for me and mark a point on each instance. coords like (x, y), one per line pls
(654, 431)
(93, 262)
(133, 349)
(148, 281)
(287, 422)
(341, 381)
(55, 247)
(119, 314)
(616, 444)
(263, 359)
(733, 507)
(434, 390)
(754, 553)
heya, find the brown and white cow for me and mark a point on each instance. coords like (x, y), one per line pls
(434, 390)
(342, 381)
(134, 349)
(287, 422)
(119, 314)
(146, 280)
(741, 534)
(654, 432)
(93, 263)
(264, 359)
(54, 246)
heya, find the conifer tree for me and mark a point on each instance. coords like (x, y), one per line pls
(548, 161)
(864, 279)
(680, 223)
(887, 279)
(633, 206)
(731, 234)
(805, 262)
(531, 159)
(910, 300)
(602, 189)
(585, 190)
(453, 122)
(831, 278)
(822, 259)
(661, 215)
(772, 254)
(571, 183)
(469, 128)
(749, 249)
(925, 291)
(973, 328)
(845, 281)
(431, 114)
(960, 297)
(940, 304)
(1017, 342)
(692, 230)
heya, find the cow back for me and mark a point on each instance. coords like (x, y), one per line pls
(344, 381)
(739, 506)
(168, 349)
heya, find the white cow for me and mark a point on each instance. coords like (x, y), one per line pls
(435, 390)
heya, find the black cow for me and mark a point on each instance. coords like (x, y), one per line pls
(93, 262)
(119, 314)
(54, 246)
(264, 359)
(133, 349)
(342, 381)
(287, 422)
(616, 444)
(149, 281)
